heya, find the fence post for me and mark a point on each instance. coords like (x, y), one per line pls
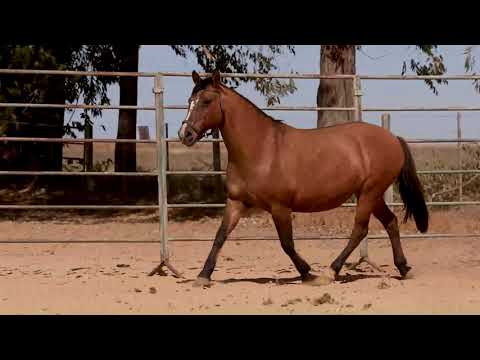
(167, 156)
(389, 193)
(357, 103)
(459, 151)
(161, 169)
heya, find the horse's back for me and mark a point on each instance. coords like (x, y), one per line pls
(355, 136)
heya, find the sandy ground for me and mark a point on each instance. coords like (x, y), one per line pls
(252, 277)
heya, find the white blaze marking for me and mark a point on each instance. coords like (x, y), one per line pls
(190, 109)
(182, 131)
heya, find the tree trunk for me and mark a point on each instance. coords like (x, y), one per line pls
(126, 154)
(49, 154)
(336, 59)
(88, 156)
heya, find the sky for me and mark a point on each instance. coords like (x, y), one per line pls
(371, 60)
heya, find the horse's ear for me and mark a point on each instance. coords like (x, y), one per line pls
(196, 78)
(216, 78)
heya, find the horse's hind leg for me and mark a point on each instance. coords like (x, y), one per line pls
(283, 223)
(365, 208)
(390, 223)
(234, 210)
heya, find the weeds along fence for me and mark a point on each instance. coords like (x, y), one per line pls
(161, 142)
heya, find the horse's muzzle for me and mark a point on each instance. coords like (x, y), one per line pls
(187, 136)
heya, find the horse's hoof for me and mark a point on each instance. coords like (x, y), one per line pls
(405, 271)
(319, 280)
(201, 282)
(408, 274)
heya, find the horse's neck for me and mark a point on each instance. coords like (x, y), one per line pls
(245, 131)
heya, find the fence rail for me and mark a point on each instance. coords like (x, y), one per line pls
(74, 141)
(233, 238)
(176, 140)
(312, 76)
(76, 106)
(161, 145)
(78, 173)
(278, 108)
(79, 207)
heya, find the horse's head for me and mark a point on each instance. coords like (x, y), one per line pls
(204, 111)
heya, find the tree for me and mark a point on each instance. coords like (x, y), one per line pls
(34, 122)
(125, 153)
(33, 89)
(341, 59)
(334, 60)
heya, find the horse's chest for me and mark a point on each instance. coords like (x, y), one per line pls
(252, 190)
(239, 189)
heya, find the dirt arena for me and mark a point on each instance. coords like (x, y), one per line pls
(252, 277)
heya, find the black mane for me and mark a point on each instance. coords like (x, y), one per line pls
(203, 84)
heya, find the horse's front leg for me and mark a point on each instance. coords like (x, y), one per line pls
(234, 210)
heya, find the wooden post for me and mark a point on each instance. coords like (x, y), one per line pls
(144, 133)
(88, 155)
(459, 154)
(167, 156)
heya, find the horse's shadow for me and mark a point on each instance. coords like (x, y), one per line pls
(297, 280)
(264, 280)
(258, 280)
(348, 278)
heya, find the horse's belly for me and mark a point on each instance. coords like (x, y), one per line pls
(324, 195)
(316, 204)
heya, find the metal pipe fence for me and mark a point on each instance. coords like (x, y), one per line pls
(232, 238)
(161, 142)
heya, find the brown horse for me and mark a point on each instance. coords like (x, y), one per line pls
(282, 169)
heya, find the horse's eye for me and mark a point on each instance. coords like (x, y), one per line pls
(206, 102)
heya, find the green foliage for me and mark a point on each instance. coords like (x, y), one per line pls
(33, 88)
(92, 89)
(430, 62)
(241, 59)
(24, 88)
(470, 64)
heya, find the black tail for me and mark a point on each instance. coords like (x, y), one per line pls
(411, 191)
